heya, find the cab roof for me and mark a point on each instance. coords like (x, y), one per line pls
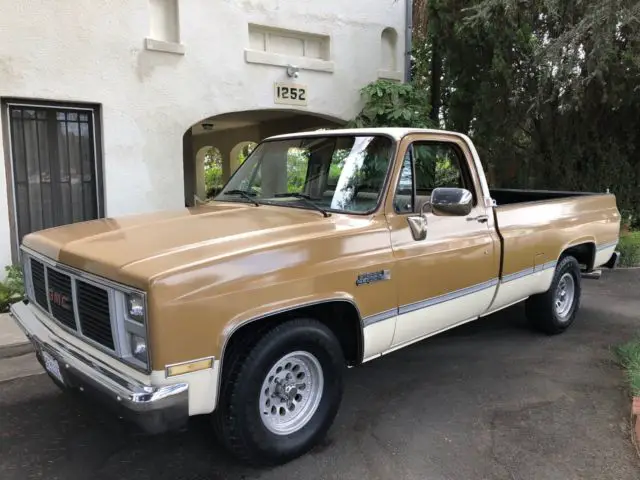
(395, 132)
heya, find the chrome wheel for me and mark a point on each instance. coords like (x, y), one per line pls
(291, 393)
(564, 296)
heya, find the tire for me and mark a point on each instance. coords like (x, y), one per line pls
(246, 417)
(550, 312)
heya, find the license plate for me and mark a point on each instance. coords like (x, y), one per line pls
(52, 366)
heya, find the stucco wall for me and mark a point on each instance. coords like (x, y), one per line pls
(94, 51)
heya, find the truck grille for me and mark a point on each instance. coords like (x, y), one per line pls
(74, 303)
(93, 310)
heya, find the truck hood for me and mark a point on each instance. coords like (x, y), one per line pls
(136, 249)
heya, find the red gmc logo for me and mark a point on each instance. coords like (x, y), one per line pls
(59, 299)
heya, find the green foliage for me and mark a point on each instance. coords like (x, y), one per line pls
(629, 248)
(213, 178)
(392, 104)
(447, 174)
(213, 173)
(12, 288)
(629, 357)
(297, 166)
(547, 89)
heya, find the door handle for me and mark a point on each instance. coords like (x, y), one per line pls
(479, 218)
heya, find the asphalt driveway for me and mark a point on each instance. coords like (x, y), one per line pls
(491, 400)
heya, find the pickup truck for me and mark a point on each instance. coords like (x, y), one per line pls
(323, 251)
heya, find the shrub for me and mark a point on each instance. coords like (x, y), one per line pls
(12, 289)
(629, 248)
(629, 356)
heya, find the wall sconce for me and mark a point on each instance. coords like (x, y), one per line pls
(293, 71)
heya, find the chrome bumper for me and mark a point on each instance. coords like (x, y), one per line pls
(154, 409)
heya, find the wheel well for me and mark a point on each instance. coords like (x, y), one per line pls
(585, 254)
(340, 316)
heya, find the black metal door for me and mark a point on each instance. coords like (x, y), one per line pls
(55, 173)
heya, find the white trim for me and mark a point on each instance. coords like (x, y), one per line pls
(14, 209)
(420, 305)
(377, 338)
(430, 334)
(603, 254)
(437, 317)
(52, 106)
(387, 331)
(515, 290)
(203, 387)
(391, 75)
(162, 46)
(278, 60)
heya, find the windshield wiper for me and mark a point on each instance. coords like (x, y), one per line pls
(307, 199)
(244, 194)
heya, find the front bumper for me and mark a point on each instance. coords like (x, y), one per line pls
(154, 408)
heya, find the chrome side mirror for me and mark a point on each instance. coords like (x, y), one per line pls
(451, 202)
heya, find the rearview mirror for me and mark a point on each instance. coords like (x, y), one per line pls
(451, 202)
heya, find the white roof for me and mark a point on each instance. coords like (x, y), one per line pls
(395, 132)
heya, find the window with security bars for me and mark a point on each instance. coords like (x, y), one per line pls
(55, 172)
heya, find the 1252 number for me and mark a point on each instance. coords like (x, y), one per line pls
(291, 94)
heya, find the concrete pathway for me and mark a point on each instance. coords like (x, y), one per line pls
(12, 341)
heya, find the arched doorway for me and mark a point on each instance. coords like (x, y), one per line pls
(219, 144)
(239, 153)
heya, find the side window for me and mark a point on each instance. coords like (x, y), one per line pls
(436, 164)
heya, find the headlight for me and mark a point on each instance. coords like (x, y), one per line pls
(135, 307)
(138, 347)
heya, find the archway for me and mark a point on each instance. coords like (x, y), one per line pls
(233, 136)
(209, 178)
(239, 153)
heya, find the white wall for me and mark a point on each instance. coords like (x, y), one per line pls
(94, 51)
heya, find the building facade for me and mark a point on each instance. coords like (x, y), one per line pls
(108, 105)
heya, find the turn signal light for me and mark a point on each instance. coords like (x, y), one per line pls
(188, 367)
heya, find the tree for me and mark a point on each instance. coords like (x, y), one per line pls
(213, 171)
(547, 89)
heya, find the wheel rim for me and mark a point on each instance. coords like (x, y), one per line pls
(291, 393)
(564, 296)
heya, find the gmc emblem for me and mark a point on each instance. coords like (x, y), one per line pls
(60, 299)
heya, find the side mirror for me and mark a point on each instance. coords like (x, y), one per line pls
(451, 202)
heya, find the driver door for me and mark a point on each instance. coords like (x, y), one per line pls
(449, 276)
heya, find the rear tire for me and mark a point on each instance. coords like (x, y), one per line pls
(553, 311)
(279, 401)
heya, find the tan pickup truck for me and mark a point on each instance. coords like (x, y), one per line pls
(324, 250)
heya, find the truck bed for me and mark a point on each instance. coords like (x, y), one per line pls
(536, 226)
(505, 196)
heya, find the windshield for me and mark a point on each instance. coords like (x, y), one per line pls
(335, 173)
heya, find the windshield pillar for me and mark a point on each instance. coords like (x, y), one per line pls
(274, 178)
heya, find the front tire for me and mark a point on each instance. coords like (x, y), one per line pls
(553, 311)
(278, 402)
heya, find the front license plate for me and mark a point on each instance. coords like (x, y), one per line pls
(52, 366)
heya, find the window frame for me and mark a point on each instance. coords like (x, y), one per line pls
(95, 110)
(463, 162)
